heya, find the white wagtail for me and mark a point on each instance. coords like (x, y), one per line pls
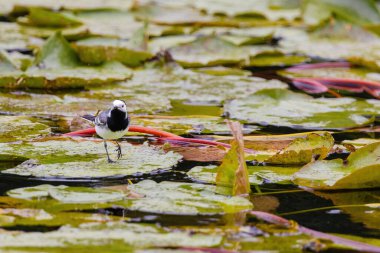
(111, 124)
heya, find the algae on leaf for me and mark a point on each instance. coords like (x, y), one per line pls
(81, 158)
(98, 50)
(286, 108)
(20, 128)
(361, 170)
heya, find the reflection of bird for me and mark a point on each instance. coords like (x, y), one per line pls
(111, 124)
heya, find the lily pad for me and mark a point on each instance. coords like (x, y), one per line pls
(194, 124)
(15, 128)
(257, 174)
(112, 237)
(208, 51)
(57, 66)
(99, 50)
(38, 217)
(81, 158)
(358, 12)
(247, 8)
(42, 17)
(167, 197)
(361, 170)
(287, 108)
(13, 38)
(184, 198)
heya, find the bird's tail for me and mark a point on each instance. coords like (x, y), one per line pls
(89, 117)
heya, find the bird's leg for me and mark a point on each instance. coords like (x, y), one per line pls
(108, 156)
(118, 150)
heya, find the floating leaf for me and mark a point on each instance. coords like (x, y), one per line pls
(12, 37)
(99, 50)
(257, 174)
(42, 17)
(361, 170)
(164, 197)
(193, 124)
(110, 237)
(208, 51)
(287, 108)
(15, 128)
(358, 12)
(57, 66)
(81, 158)
(184, 198)
(243, 8)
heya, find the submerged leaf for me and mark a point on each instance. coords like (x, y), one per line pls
(361, 170)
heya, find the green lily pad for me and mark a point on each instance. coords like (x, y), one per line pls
(334, 41)
(194, 124)
(356, 73)
(358, 12)
(184, 198)
(273, 59)
(74, 5)
(121, 24)
(361, 142)
(168, 198)
(39, 217)
(207, 51)
(287, 108)
(13, 38)
(57, 66)
(257, 174)
(81, 158)
(361, 170)
(99, 50)
(150, 90)
(240, 36)
(247, 8)
(15, 128)
(112, 237)
(42, 17)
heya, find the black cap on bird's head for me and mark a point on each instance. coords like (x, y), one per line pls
(119, 105)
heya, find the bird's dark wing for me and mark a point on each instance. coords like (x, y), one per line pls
(88, 117)
(101, 119)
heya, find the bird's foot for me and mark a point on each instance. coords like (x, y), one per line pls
(111, 161)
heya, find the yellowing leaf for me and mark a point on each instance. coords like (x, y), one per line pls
(233, 170)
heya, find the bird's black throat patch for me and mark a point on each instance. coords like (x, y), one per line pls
(118, 121)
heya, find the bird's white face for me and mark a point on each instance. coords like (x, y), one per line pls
(120, 105)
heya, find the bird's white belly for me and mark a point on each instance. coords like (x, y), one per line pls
(108, 134)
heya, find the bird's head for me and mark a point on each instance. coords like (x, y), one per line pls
(119, 105)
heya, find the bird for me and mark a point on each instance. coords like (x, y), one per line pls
(111, 124)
